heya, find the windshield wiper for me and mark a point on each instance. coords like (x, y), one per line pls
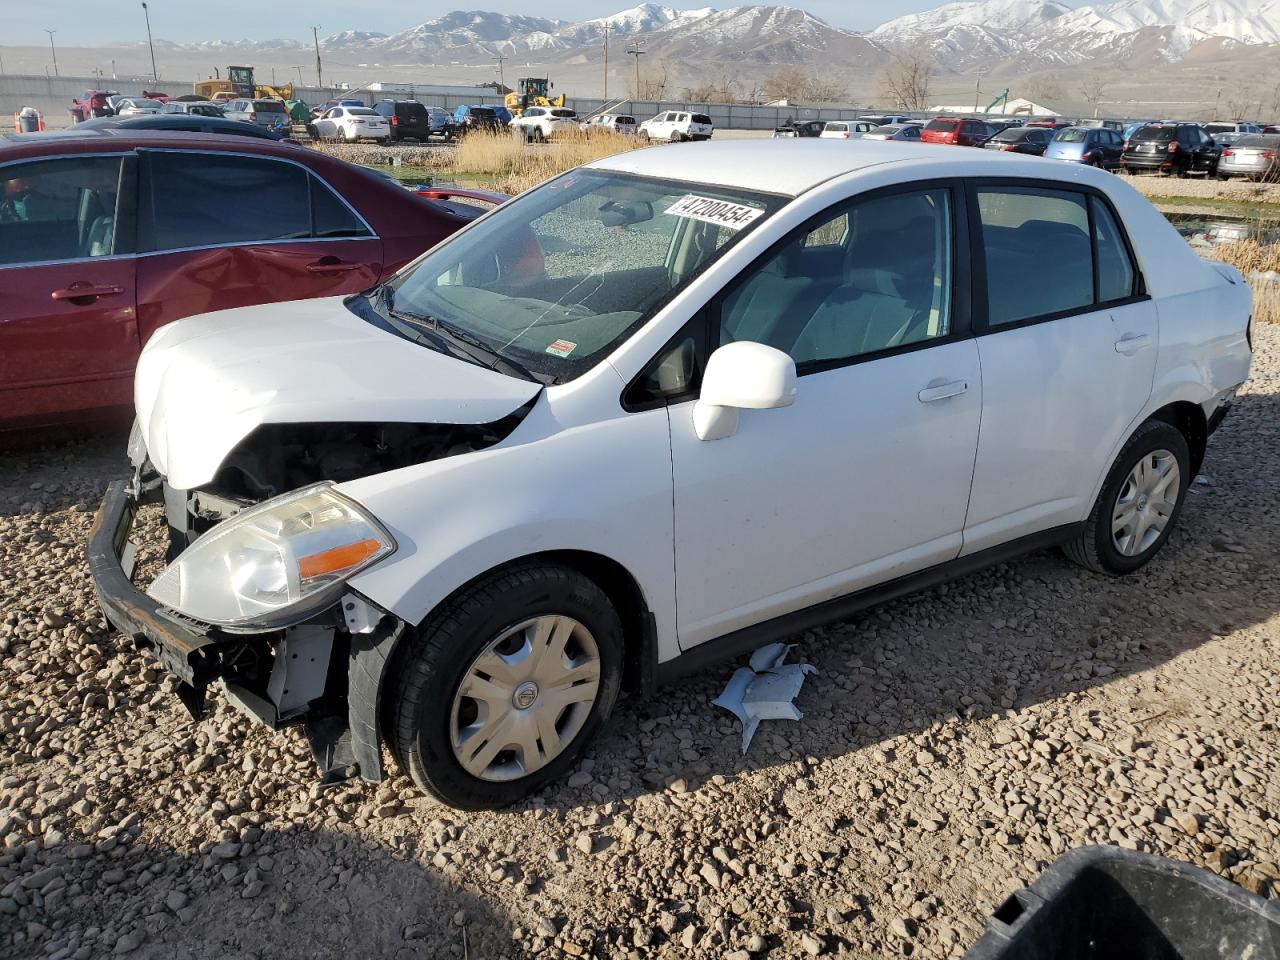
(475, 349)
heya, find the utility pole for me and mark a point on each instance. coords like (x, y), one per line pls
(53, 51)
(977, 92)
(636, 52)
(113, 70)
(606, 60)
(299, 69)
(315, 34)
(273, 76)
(147, 13)
(502, 80)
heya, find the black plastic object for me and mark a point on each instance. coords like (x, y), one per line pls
(1105, 903)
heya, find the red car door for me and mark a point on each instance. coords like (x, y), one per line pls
(68, 329)
(220, 230)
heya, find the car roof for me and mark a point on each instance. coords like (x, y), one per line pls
(791, 168)
(57, 142)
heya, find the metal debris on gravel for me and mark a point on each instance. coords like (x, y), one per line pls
(765, 689)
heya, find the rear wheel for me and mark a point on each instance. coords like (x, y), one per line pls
(644, 135)
(1139, 502)
(499, 691)
(675, 136)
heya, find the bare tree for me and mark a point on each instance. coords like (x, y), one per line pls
(906, 77)
(723, 89)
(1094, 90)
(1043, 86)
(798, 85)
(655, 80)
(1241, 106)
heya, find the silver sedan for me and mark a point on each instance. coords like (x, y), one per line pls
(896, 131)
(1255, 155)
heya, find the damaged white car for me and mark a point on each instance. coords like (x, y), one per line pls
(658, 411)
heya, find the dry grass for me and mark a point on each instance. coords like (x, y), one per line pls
(1260, 263)
(516, 166)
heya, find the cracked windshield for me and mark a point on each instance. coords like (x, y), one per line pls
(554, 280)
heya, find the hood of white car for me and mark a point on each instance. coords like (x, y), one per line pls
(205, 383)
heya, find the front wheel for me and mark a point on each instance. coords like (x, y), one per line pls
(501, 689)
(1139, 502)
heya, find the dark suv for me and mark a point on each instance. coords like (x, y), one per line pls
(411, 120)
(957, 131)
(1180, 148)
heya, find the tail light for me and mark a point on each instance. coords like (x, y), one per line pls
(1009, 147)
(1266, 154)
(1088, 155)
(1173, 146)
(395, 121)
(1228, 153)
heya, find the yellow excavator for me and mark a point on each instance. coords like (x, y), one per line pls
(240, 85)
(531, 92)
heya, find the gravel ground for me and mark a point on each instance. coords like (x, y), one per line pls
(1234, 190)
(953, 743)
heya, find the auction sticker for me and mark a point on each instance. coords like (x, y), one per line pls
(723, 213)
(561, 348)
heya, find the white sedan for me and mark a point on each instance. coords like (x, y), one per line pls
(658, 411)
(846, 129)
(352, 124)
(138, 107)
(544, 123)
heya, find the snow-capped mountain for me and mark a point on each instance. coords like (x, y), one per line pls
(990, 15)
(763, 34)
(1051, 31)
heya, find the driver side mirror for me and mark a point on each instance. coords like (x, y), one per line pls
(742, 376)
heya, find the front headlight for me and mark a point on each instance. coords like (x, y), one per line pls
(274, 564)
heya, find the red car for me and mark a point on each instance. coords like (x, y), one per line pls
(957, 131)
(92, 103)
(106, 236)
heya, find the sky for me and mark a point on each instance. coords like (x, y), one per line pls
(97, 22)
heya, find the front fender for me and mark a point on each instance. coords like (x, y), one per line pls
(602, 488)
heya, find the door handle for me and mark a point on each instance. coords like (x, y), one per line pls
(940, 391)
(83, 294)
(332, 265)
(1131, 343)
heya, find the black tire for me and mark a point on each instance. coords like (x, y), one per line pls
(436, 656)
(1093, 547)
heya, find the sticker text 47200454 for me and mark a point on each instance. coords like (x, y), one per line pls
(724, 213)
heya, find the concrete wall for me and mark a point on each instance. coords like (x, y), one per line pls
(53, 95)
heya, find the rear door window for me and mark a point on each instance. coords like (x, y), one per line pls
(209, 199)
(1038, 251)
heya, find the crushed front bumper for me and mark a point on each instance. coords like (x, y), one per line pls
(187, 650)
(335, 692)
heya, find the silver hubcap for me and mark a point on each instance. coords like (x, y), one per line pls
(524, 698)
(1146, 502)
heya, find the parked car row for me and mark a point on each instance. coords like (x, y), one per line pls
(1181, 148)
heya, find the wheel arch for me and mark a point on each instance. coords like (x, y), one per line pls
(639, 629)
(1188, 419)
